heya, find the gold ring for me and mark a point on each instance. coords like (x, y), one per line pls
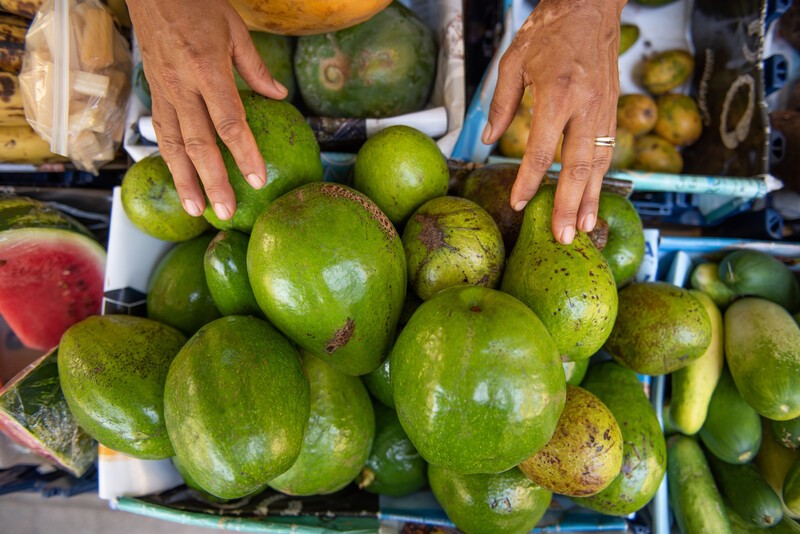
(605, 141)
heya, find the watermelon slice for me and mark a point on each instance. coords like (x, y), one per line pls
(34, 413)
(51, 272)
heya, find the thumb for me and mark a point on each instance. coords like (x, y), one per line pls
(506, 98)
(251, 67)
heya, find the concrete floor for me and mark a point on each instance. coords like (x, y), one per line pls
(30, 513)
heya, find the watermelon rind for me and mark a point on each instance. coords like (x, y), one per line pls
(25, 212)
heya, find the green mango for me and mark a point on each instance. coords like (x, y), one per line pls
(660, 328)
(705, 278)
(112, 370)
(487, 504)
(569, 287)
(465, 363)
(624, 250)
(236, 406)
(225, 267)
(628, 35)
(644, 452)
(339, 433)
(290, 151)
(328, 269)
(394, 466)
(178, 294)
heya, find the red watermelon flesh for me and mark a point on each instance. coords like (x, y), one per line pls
(49, 280)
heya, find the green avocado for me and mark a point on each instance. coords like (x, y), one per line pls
(225, 264)
(379, 384)
(290, 151)
(644, 452)
(575, 371)
(338, 436)
(178, 294)
(394, 466)
(624, 250)
(462, 368)
(569, 287)
(489, 187)
(236, 405)
(112, 370)
(488, 504)
(328, 269)
(276, 51)
(383, 67)
(660, 328)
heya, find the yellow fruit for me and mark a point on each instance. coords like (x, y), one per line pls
(11, 111)
(667, 70)
(636, 113)
(678, 120)
(624, 152)
(20, 144)
(654, 154)
(305, 17)
(526, 104)
(512, 143)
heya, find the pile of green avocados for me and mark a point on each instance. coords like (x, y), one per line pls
(315, 341)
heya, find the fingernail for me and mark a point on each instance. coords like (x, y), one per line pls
(192, 208)
(519, 206)
(222, 211)
(487, 133)
(280, 87)
(567, 234)
(587, 224)
(256, 181)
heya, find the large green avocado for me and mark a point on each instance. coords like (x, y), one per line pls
(328, 269)
(644, 452)
(236, 404)
(276, 51)
(488, 504)
(660, 328)
(225, 267)
(394, 466)
(490, 188)
(624, 250)
(380, 68)
(569, 287)
(338, 436)
(178, 294)
(112, 370)
(478, 383)
(290, 151)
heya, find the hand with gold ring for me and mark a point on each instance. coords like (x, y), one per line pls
(567, 53)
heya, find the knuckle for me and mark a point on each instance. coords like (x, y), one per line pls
(540, 160)
(230, 129)
(601, 160)
(170, 145)
(497, 107)
(580, 171)
(197, 148)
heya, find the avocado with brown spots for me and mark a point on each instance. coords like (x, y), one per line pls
(328, 269)
(380, 68)
(490, 188)
(488, 504)
(569, 287)
(644, 452)
(452, 241)
(585, 454)
(660, 328)
(112, 370)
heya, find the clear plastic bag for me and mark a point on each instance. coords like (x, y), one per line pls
(75, 80)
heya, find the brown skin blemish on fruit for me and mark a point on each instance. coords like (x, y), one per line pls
(336, 190)
(341, 337)
(599, 236)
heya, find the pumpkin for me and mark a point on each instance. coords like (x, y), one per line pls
(305, 17)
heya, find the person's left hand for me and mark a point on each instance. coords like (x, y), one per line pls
(567, 53)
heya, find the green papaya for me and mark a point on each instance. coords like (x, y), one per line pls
(338, 436)
(487, 504)
(112, 370)
(380, 68)
(394, 466)
(243, 368)
(343, 305)
(644, 455)
(762, 347)
(569, 287)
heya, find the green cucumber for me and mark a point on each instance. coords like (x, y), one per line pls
(732, 430)
(774, 462)
(695, 500)
(762, 347)
(753, 273)
(791, 488)
(787, 432)
(746, 491)
(693, 385)
(705, 277)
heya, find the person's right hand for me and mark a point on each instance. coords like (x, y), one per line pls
(188, 49)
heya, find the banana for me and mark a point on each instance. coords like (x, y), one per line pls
(11, 111)
(23, 8)
(12, 42)
(20, 144)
